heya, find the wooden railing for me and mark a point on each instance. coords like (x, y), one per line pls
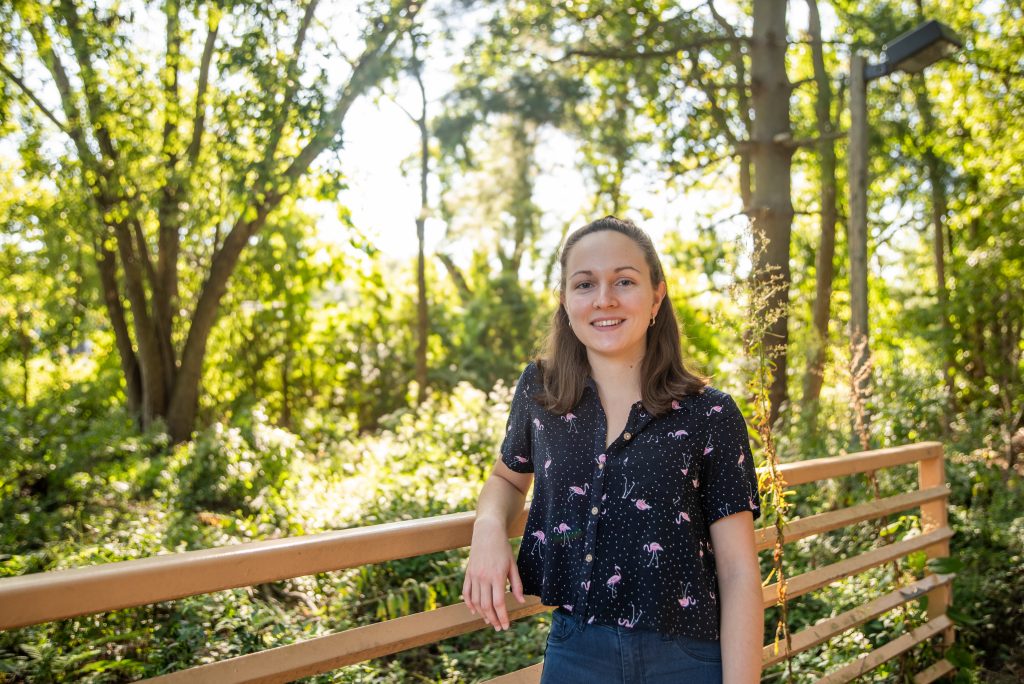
(43, 597)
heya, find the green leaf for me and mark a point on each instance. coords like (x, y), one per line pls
(945, 566)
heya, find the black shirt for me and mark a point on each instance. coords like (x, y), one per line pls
(620, 536)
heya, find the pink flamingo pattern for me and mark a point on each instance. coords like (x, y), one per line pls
(672, 485)
(539, 538)
(575, 490)
(653, 548)
(687, 601)
(636, 616)
(614, 580)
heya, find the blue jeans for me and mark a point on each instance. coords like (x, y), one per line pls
(605, 654)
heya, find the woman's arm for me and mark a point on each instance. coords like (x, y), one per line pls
(490, 561)
(739, 582)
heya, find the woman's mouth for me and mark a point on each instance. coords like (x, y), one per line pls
(608, 323)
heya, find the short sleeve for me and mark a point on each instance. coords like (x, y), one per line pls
(730, 480)
(517, 448)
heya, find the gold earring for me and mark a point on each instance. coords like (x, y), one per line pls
(652, 322)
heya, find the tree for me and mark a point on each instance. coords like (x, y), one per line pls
(183, 151)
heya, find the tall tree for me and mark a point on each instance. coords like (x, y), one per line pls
(824, 266)
(184, 151)
(771, 206)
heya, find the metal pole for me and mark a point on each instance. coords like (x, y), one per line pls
(857, 230)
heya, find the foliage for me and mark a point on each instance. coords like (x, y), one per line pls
(306, 416)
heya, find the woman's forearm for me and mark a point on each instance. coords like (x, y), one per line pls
(742, 625)
(499, 503)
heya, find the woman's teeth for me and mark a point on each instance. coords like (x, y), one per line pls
(606, 324)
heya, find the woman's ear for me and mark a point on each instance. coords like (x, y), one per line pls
(659, 295)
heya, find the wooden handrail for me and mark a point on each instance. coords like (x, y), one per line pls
(818, 634)
(44, 597)
(803, 472)
(900, 644)
(60, 594)
(801, 528)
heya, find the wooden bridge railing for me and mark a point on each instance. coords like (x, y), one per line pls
(44, 597)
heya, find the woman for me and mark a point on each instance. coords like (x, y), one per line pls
(641, 527)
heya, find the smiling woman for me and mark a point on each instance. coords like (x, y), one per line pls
(641, 527)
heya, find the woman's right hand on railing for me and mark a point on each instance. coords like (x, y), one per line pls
(490, 565)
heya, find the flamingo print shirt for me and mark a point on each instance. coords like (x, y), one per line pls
(621, 535)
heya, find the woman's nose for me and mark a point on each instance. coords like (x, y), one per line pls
(605, 297)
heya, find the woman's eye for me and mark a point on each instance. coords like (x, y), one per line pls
(625, 281)
(582, 285)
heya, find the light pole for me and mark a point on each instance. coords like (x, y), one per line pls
(911, 52)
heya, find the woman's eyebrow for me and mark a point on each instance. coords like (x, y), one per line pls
(620, 268)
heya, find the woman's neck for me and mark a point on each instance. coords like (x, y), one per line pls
(616, 378)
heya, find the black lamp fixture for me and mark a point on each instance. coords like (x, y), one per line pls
(914, 50)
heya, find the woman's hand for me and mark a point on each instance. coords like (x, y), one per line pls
(490, 565)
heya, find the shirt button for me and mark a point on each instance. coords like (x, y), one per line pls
(589, 558)
(627, 436)
(594, 510)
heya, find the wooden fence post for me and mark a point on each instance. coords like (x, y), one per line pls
(934, 516)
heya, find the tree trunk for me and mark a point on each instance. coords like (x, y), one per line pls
(771, 205)
(936, 178)
(824, 259)
(422, 314)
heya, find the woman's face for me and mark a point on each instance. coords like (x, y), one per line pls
(609, 297)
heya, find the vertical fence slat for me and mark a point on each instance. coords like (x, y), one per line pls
(934, 515)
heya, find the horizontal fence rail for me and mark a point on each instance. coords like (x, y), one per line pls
(44, 597)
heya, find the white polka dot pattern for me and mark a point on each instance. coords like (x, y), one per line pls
(620, 536)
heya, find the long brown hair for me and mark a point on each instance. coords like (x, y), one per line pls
(563, 363)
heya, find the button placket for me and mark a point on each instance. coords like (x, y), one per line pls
(597, 492)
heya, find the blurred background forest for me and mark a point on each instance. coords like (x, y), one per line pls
(219, 325)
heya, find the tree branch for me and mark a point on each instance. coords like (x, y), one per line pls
(366, 72)
(199, 120)
(793, 85)
(291, 85)
(626, 54)
(35, 100)
(67, 97)
(793, 143)
(465, 293)
(93, 103)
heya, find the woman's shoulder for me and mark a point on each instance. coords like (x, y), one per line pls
(706, 397)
